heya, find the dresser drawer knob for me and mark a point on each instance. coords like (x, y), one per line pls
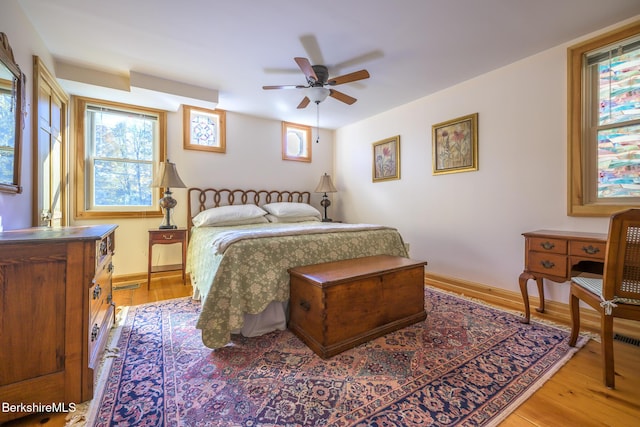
(94, 332)
(305, 305)
(591, 250)
(547, 264)
(547, 245)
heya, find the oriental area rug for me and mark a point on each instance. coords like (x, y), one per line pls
(467, 364)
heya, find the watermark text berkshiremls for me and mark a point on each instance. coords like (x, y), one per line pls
(7, 407)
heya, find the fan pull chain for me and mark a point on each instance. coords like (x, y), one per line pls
(317, 122)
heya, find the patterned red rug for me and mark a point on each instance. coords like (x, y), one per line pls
(466, 364)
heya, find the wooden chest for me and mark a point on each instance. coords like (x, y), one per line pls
(337, 305)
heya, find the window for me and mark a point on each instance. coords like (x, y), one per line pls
(604, 123)
(204, 129)
(296, 142)
(118, 149)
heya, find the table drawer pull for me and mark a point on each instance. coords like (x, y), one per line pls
(167, 236)
(547, 245)
(591, 250)
(547, 264)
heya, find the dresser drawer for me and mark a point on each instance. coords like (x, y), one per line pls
(100, 290)
(543, 244)
(587, 249)
(551, 264)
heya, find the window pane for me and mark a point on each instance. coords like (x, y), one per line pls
(204, 129)
(122, 136)
(619, 162)
(119, 183)
(620, 88)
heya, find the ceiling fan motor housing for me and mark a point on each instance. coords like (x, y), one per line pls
(322, 73)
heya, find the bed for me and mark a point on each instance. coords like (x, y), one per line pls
(241, 245)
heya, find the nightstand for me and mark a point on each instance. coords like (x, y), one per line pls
(167, 237)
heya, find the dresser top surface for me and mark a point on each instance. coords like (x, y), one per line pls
(35, 234)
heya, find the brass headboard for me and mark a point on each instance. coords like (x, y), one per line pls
(201, 199)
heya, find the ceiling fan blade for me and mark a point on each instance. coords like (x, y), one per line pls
(311, 46)
(358, 60)
(348, 78)
(284, 87)
(342, 96)
(306, 68)
(305, 101)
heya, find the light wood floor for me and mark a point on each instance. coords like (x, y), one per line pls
(575, 396)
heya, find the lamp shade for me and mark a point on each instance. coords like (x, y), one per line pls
(325, 185)
(168, 176)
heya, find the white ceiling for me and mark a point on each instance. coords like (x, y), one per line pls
(411, 48)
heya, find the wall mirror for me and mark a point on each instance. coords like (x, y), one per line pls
(11, 118)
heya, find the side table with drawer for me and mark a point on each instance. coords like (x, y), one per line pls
(167, 237)
(558, 255)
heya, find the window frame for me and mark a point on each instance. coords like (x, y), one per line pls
(82, 208)
(190, 143)
(578, 139)
(303, 130)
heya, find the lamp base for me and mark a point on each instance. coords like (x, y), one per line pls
(327, 220)
(168, 227)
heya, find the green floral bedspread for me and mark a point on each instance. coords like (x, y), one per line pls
(252, 273)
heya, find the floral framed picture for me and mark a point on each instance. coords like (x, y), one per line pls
(296, 142)
(455, 145)
(386, 159)
(204, 129)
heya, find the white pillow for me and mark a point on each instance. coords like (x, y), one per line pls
(273, 218)
(258, 220)
(291, 209)
(223, 215)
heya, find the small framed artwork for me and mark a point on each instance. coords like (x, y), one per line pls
(296, 142)
(386, 159)
(455, 145)
(204, 129)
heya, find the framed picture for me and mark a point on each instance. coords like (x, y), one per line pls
(296, 142)
(455, 145)
(204, 129)
(386, 159)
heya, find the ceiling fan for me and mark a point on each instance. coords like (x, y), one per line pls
(317, 80)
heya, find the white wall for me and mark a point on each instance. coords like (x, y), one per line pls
(469, 225)
(253, 160)
(15, 209)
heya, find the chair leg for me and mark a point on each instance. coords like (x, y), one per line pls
(607, 349)
(574, 303)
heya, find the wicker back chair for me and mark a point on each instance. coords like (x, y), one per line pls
(617, 294)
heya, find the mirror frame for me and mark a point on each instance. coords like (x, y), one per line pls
(6, 58)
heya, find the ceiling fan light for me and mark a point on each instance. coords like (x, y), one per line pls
(317, 94)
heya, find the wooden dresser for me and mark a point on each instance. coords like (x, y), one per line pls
(55, 313)
(558, 255)
(337, 305)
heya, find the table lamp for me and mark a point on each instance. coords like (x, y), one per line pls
(168, 177)
(325, 186)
